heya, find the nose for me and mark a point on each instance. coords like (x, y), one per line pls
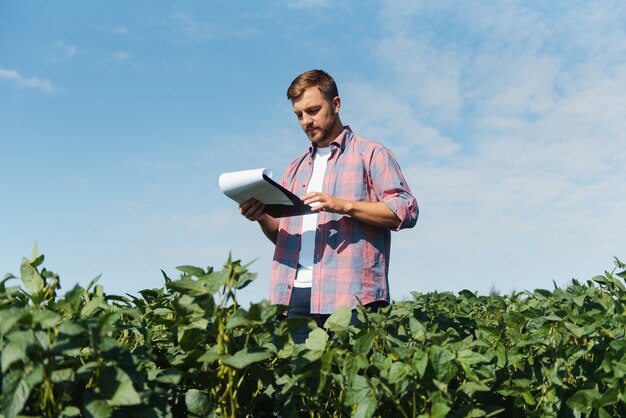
(306, 119)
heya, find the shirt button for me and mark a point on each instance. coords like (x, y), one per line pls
(288, 286)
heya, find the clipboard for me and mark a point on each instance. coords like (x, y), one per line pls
(257, 183)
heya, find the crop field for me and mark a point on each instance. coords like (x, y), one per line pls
(189, 349)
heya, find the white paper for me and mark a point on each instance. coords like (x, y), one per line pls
(243, 185)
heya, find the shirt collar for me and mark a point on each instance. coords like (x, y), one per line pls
(339, 142)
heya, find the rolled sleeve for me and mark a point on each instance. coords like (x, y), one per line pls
(392, 189)
(405, 207)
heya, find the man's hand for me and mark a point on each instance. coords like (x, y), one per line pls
(252, 209)
(372, 213)
(324, 202)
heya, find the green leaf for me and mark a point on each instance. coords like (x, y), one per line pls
(365, 409)
(610, 397)
(117, 388)
(599, 279)
(192, 337)
(46, 319)
(439, 410)
(70, 411)
(358, 391)
(15, 348)
(339, 319)
(36, 261)
(441, 360)
(191, 270)
(97, 408)
(33, 283)
(238, 319)
(71, 328)
(63, 375)
(469, 388)
(245, 279)
(418, 330)
(316, 340)
(11, 353)
(10, 317)
(94, 305)
(197, 402)
(34, 375)
(420, 362)
(126, 393)
(579, 300)
(397, 372)
(582, 400)
(577, 331)
(364, 343)
(170, 377)
(188, 287)
(467, 294)
(16, 388)
(216, 279)
(501, 355)
(470, 357)
(244, 358)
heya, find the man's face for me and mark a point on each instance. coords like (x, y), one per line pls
(318, 116)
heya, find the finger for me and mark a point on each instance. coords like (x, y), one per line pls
(259, 210)
(258, 213)
(311, 198)
(250, 210)
(247, 204)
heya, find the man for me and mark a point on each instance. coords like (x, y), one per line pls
(339, 255)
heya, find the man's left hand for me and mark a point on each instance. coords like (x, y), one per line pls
(324, 202)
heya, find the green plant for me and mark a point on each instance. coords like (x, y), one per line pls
(189, 349)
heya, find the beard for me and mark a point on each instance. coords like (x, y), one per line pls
(322, 134)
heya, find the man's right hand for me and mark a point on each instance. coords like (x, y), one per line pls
(252, 209)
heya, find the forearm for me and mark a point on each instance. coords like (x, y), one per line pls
(269, 226)
(372, 213)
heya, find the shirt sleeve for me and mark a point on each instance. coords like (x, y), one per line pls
(391, 187)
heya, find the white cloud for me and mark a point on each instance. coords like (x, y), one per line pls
(508, 122)
(192, 28)
(121, 56)
(61, 51)
(391, 118)
(26, 82)
(187, 28)
(120, 30)
(423, 74)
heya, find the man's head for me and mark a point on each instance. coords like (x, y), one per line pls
(313, 78)
(316, 104)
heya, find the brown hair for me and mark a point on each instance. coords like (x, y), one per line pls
(313, 78)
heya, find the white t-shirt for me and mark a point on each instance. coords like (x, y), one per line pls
(304, 278)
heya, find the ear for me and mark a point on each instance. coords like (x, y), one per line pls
(336, 104)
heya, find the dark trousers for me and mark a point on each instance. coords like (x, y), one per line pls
(300, 305)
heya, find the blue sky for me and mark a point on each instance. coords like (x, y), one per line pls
(508, 119)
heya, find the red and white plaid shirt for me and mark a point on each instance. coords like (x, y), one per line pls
(351, 258)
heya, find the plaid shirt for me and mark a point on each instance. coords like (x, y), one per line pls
(351, 258)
